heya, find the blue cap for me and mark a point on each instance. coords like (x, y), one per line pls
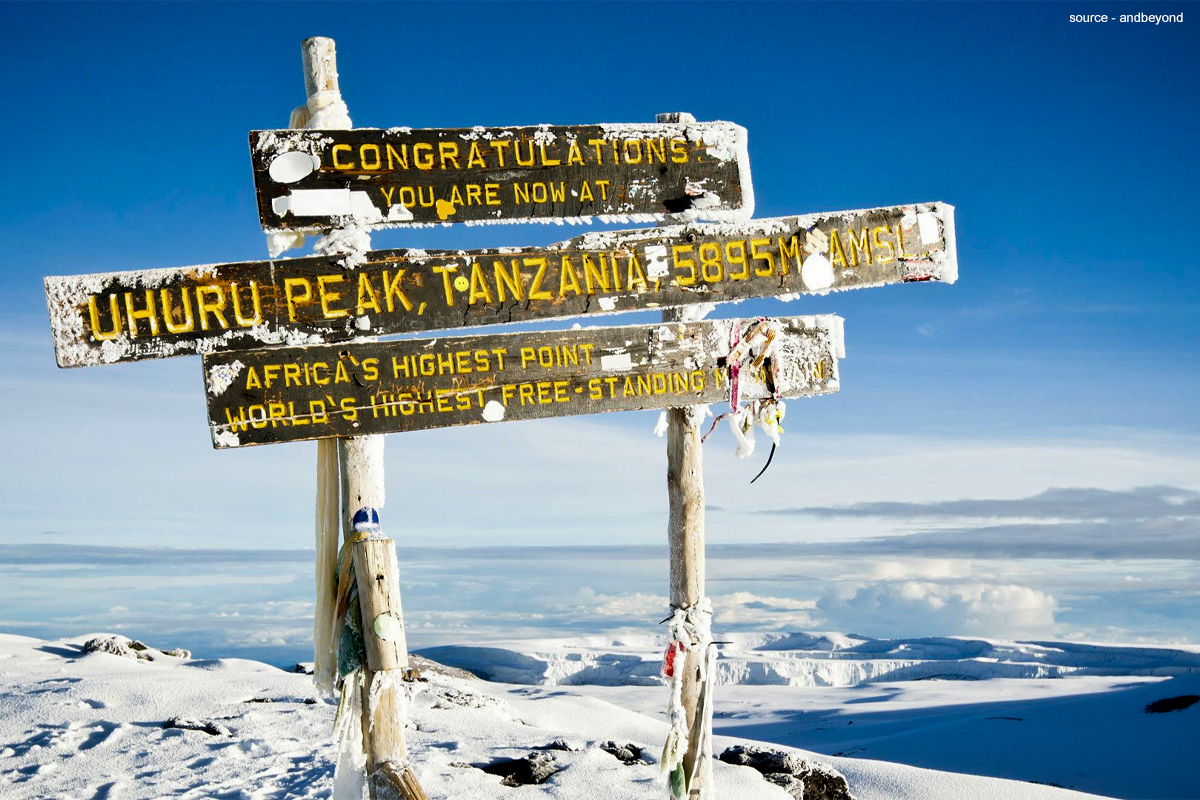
(366, 520)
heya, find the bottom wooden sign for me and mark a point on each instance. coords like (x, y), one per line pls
(288, 394)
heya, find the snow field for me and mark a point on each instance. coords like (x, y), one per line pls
(93, 727)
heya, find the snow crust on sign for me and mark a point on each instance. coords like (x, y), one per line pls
(66, 293)
(92, 726)
(222, 376)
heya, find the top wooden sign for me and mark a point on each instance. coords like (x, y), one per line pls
(400, 176)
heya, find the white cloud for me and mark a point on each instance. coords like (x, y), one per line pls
(748, 611)
(912, 568)
(635, 605)
(928, 608)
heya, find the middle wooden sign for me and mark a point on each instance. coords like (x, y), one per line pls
(128, 316)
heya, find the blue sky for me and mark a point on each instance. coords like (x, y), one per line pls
(1066, 356)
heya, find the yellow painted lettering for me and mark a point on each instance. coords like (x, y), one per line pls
(859, 244)
(684, 263)
(507, 282)
(499, 145)
(394, 157)
(546, 160)
(881, 244)
(448, 153)
(292, 293)
(337, 162)
(475, 156)
(393, 291)
(594, 276)
(735, 253)
(214, 306)
(367, 297)
(187, 324)
(94, 314)
(422, 153)
(635, 274)
(789, 250)
(369, 156)
(836, 254)
(567, 279)
(240, 318)
(147, 313)
(328, 296)
(523, 162)
(535, 293)
(479, 286)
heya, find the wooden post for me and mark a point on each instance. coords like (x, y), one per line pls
(685, 535)
(360, 462)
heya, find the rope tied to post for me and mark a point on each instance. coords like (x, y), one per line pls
(752, 356)
(690, 631)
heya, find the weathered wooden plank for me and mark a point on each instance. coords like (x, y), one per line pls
(288, 394)
(130, 316)
(401, 176)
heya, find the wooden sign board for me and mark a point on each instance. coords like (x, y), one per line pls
(400, 176)
(287, 394)
(128, 316)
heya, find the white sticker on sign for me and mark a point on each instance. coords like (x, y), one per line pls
(656, 261)
(618, 362)
(493, 411)
(817, 273)
(314, 203)
(928, 228)
(293, 166)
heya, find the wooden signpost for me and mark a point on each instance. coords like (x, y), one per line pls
(288, 394)
(317, 179)
(128, 316)
(290, 351)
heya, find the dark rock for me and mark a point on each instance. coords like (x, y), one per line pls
(803, 779)
(205, 725)
(559, 744)
(113, 646)
(421, 664)
(532, 769)
(448, 697)
(129, 648)
(1172, 704)
(305, 668)
(627, 754)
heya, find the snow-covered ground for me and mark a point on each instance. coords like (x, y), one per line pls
(1061, 713)
(92, 726)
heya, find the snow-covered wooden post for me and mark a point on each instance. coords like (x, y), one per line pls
(360, 467)
(685, 536)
